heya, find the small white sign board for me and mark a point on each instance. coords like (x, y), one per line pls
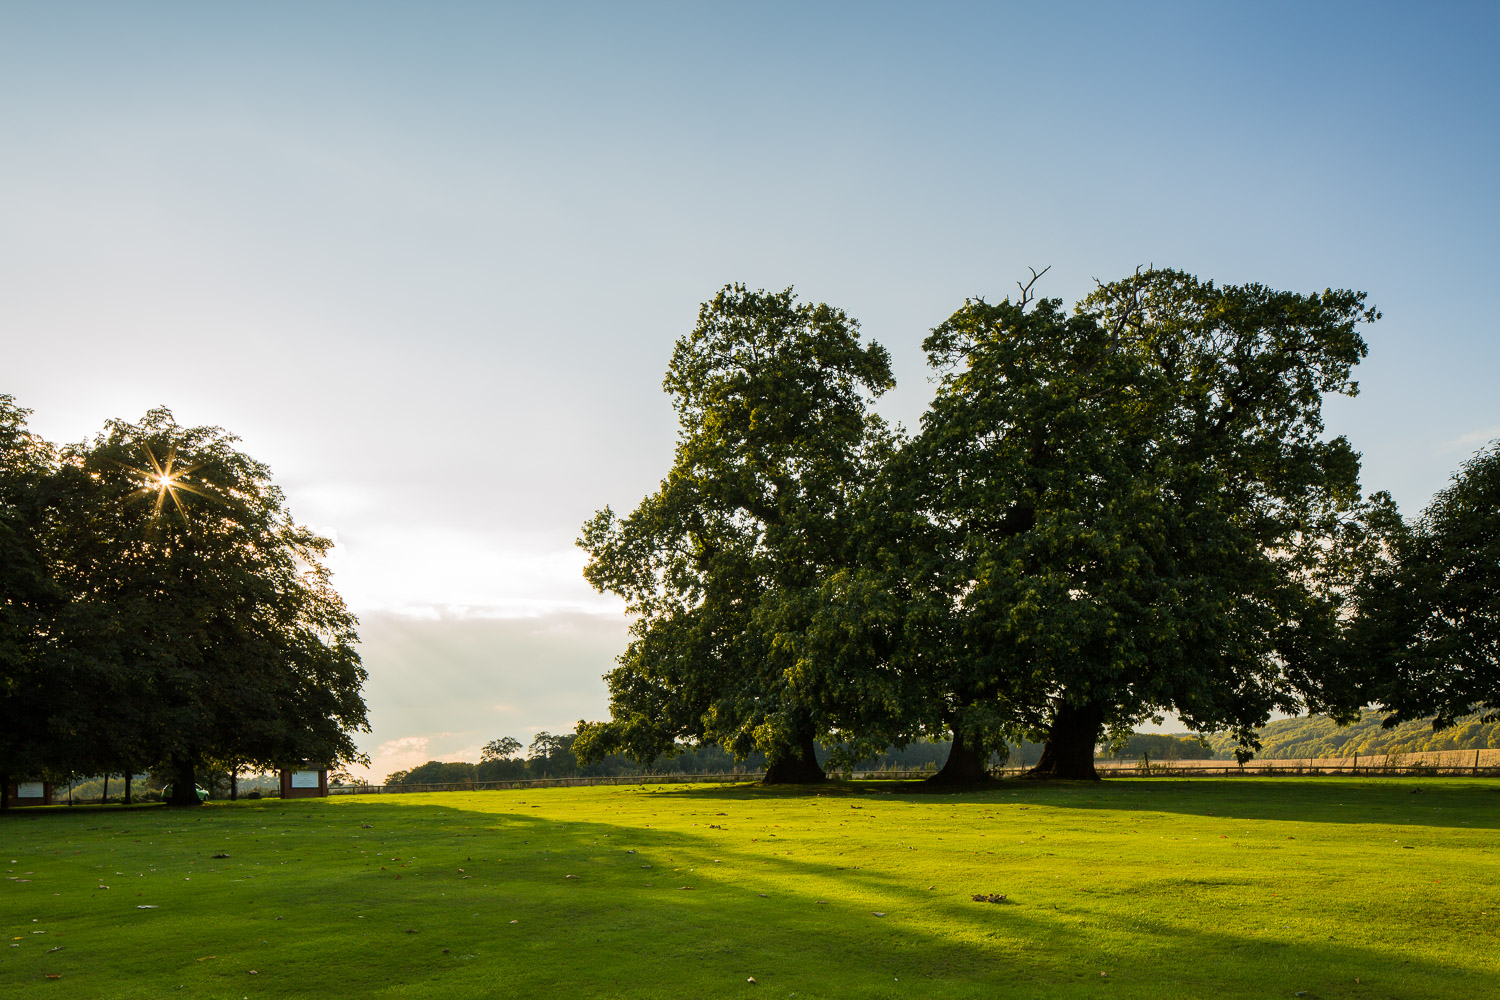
(31, 790)
(304, 779)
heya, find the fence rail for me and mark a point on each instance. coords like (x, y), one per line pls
(1430, 764)
(1478, 764)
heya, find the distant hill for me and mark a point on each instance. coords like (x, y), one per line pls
(1319, 736)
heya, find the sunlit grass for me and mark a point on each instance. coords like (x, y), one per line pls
(1155, 888)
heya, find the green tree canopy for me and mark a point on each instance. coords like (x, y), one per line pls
(718, 567)
(1428, 628)
(223, 629)
(1136, 508)
(34, 688)
(501, 749)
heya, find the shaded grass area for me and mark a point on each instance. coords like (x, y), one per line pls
(1249, 888)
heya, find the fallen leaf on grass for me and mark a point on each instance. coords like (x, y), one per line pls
(58, 948)
(993, 897)
(684, 887)
(54, 975)
(147, 907)
(206, 958)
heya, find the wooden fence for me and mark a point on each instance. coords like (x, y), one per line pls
(1448, 763)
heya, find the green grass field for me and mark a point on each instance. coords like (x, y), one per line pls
(1251, 888)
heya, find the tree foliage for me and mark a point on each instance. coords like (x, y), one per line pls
(1108, 513)
(720, 566)
(1428, 630)
(194, 621)
(1136, 508)
(503, 748)
(32, 689)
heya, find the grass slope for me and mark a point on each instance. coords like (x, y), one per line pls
(1248, 888)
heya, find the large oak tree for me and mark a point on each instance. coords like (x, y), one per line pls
(206, 608)
(721, 565)
(1137, 508)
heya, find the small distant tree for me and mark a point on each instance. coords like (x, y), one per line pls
(437, 772)
(504, 748)
(551, 756)
(499, 761)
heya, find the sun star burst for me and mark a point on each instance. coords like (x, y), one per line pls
(165, 479)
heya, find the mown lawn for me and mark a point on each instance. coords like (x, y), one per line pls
(1254, 888)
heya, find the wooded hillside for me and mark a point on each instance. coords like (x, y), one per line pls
(1318, 736)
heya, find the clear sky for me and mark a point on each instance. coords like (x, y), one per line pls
(429, 260)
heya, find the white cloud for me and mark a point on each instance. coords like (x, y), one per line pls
(401, 754)
(449, 685)
(432, 572)
(1471, 441)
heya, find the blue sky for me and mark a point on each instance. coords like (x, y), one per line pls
(429, 262)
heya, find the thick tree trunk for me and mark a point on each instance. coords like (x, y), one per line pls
(128, 776)
(234, 785)
(1069, 750)
(104, 797)
(796, 765)
(966, 764)
(184, 783)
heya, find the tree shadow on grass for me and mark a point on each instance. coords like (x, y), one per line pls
(431, 913)
(1436, 802)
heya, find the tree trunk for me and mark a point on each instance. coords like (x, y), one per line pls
(796, 765)
(4, 790)
(234, 785)
(967, 764)
(128, 776)
(1069, 750)
(184, 783)
(104, 797)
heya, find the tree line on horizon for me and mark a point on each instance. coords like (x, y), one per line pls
(1317, 736)
(552, 756)
(1106, 514)
(160, 610)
